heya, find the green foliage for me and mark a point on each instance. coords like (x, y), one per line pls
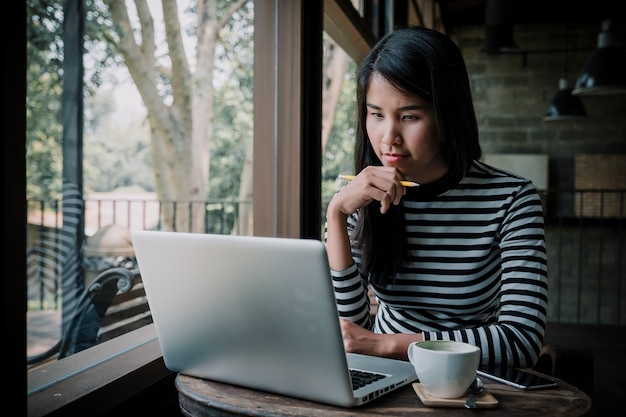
(43, 100)
(114, 157)
(43, 118)
(117, 155)
(232, 132)
(233, 111)
(339, 153)
(44, 80)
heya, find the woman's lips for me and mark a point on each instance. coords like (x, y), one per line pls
(392, 157)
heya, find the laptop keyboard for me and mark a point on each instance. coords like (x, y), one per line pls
(363, 378)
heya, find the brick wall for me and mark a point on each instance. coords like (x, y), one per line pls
(511, 93)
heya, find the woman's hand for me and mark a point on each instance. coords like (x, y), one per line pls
(356, 339)
(374, 183)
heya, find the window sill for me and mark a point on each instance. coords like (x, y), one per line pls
(96, 380)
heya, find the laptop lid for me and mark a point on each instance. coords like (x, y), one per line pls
(257, 312)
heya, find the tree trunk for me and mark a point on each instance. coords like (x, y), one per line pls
(180, 123)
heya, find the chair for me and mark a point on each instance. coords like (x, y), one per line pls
(113, 304)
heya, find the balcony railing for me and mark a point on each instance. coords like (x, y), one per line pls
(585, 238)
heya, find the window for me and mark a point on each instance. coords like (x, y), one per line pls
(287, 199)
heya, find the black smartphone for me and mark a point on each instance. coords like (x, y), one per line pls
(518, 378)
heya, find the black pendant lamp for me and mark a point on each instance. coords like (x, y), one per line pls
(564, 106)
(605, 70)
(499, 27)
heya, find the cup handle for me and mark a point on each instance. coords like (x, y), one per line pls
(410, 352)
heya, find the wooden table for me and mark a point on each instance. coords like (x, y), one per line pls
(199, 397)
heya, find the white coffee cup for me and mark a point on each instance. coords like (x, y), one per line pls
(445, 368)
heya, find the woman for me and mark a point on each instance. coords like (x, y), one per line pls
(462, 256)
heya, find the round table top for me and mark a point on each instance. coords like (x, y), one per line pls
(200, 397)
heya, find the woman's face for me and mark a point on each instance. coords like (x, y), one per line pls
(403, 132)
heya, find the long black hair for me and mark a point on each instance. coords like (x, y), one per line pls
(425, 63)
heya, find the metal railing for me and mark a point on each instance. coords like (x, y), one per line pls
(45, 220)
(586, 244)
(219, 216)
(585, 238)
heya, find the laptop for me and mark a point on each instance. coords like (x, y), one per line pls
(257, 312)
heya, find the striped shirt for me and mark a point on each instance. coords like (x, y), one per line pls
(476, 269)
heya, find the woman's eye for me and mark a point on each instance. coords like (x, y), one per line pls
(409, 117)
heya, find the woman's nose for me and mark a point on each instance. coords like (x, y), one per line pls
(391, 135)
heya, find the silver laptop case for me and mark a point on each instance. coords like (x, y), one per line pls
(252, 311)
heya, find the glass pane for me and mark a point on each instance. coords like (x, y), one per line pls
(339, 124)
(190, 110)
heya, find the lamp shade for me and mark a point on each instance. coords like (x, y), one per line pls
(604, 72)
(499, 16)
(564, 106)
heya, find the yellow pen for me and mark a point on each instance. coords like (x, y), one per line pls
(404, 183)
